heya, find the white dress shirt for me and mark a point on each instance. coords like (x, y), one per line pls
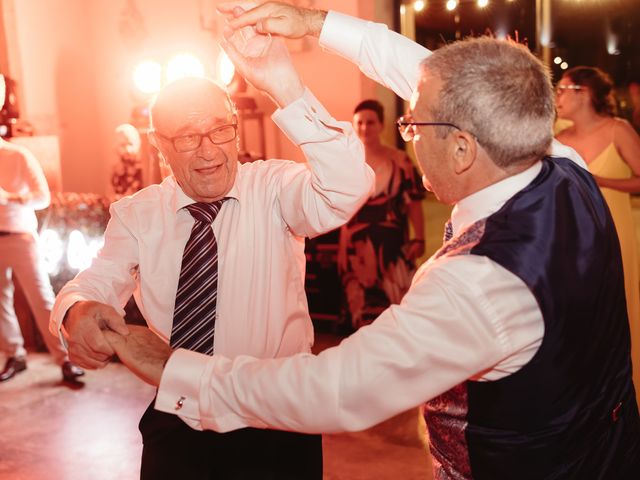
(261, 307)
(464, 317)
(21, 173)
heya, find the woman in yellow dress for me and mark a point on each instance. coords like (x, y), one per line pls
(611, 148)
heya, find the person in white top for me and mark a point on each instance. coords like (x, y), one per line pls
(269, 207)
(24, 189)
(467, 321)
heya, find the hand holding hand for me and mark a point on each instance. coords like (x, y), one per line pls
(84, 327)
(265, 63)
(276, 18)
(142, 351)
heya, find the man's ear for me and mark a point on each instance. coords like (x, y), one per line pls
(155, 143)
(464, 150)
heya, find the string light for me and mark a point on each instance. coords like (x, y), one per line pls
(419, 5)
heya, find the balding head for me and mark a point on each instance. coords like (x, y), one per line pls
(179, 98)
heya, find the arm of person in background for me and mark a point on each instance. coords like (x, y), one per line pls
(35, 191)
(325, 193)
(416, 217)
(415, 194)
(382, 54)
(92, 302)
(627, 142)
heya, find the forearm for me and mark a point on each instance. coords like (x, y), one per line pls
(337, 181)
(627, 185)
(416, 349)
(383, 55)
(314, 20)
(416, 218)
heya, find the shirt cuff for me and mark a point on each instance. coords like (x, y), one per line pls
(60, 311)
(179, 390)
(307, 121)
(342, 34)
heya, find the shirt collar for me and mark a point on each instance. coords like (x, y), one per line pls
(489, 200)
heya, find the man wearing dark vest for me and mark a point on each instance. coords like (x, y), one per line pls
(514, 334)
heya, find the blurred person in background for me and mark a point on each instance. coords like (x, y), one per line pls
(24, 189)
(634, 98)
(611, 148)
(126, 178)
(376, 258)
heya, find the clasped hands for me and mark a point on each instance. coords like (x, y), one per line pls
(95, 332)
(262, 60)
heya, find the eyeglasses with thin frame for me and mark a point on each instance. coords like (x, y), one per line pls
(188, 143)
(406, 127)
(560, 89)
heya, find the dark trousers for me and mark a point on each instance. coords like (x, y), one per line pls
(171, 449)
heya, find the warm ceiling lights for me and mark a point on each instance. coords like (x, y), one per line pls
(225, 70)
(184, 65)
(147, 76)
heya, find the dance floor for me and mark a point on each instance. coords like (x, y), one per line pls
(52, 430)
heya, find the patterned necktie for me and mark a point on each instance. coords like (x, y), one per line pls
(448, 231)
(195, 309)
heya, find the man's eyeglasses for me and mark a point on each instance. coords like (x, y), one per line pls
(406, 127)
(188, 143)
(563, 88)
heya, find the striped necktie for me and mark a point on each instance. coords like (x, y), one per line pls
(448, 231)
(195, 308)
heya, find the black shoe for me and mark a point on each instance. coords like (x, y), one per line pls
(71, 372)
(14, 365)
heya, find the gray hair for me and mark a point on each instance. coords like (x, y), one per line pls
(498, 91)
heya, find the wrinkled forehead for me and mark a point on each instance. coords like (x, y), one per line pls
(184, 102)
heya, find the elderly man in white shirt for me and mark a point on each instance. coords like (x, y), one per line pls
(525, 374)
(268, 208)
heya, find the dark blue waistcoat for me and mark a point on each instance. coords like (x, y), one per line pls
(570, 412)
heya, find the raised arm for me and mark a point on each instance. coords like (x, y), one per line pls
(336, 181)
(383, 55)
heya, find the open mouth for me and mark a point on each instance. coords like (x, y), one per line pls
(209, 170)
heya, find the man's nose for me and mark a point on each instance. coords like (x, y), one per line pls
(206, 145)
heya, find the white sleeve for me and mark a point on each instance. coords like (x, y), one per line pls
(561, 150)
(337, 180)
(381, 54)
(36, 181)
(454, 323)
(109, 279)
